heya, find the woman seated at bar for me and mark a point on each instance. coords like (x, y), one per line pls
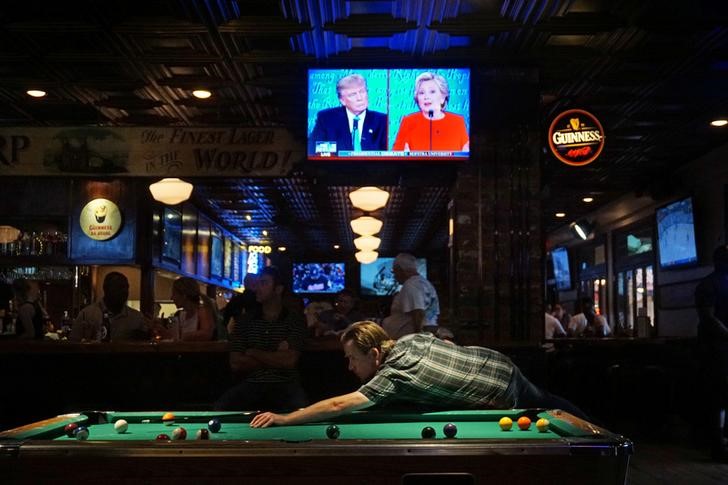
(432, 128)
(196, 318)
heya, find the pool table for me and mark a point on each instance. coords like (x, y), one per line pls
(378, 447)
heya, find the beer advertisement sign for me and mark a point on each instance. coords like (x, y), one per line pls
(576, 137)
(100, 219)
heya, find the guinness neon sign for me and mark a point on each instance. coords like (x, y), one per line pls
(576, 137)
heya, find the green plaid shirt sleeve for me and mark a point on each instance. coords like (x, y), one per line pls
(423, 370)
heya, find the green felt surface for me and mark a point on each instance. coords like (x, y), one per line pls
(373, 425)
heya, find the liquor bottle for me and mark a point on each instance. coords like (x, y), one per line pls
(9, 319)
(66, 324)
(105, 330)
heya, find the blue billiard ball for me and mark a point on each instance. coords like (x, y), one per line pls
(214, 425)
(450, 430)
(332, 431)
(81, 433)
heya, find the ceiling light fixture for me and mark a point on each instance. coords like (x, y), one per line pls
(171, 191)
(367, 243)
(588, 199)
(336, 246)
(369, 198)
(582, 228)
(265, 233)
(560, 214)
(8, 234)
(282, 248)
(366, 257)
(201, 93)
(248, 217)
(36, 93)
(719, 122)
(366, 226)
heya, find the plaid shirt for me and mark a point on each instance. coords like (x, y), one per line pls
(425, 370)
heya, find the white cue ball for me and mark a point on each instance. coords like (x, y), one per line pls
(121, 426)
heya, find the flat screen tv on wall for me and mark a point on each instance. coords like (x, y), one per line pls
(676, 234)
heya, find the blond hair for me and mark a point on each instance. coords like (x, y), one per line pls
(367, 335)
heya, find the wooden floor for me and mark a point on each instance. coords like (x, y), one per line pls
(674, 457)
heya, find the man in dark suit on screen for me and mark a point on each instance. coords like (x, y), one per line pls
(351, 127)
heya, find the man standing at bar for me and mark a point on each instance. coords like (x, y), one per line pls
(416, 306)
(264, 349)
(352, 126)
(711, 301)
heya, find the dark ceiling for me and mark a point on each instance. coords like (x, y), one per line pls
(655, 72)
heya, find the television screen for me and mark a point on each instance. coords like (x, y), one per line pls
(172, 239)
(216, 253)
(562, 272)
(676, 234)
(227, 267)
(318, 277)
(377, 278)
(389, 114)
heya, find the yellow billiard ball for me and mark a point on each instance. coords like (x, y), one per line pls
(505, 423)
(542, 425)
(168, 419)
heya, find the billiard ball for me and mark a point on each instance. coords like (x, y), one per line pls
(332, 431)
(179, 434)
(505, 423)
(162, 437)
(69, 429)
(168, 419)
(450, 430)
(120, 426)
(202, 434)
(214, 425)
(542, 425)
(524, 423)
(428, 432)
(81, 433)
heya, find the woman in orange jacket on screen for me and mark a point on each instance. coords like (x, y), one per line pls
(432, 128)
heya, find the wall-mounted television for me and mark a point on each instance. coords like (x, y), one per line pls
(676, 234)
(562, 271)
(318, 277)
(377, 279)
(172, 235)
(401, 114)
(216, 253)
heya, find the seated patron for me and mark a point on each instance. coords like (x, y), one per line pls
(431, 127)
(552, 328)
(30, 320)
(423, 370)
(196, 318)
(343, 314)
(588, 323)
(561, 315)
(125, 322)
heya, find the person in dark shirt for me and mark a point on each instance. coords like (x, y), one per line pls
(315, 281)
(342, 315)
(711, 301)
(264, 350)
(244, 302)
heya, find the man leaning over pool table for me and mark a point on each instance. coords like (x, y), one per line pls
(424, 370)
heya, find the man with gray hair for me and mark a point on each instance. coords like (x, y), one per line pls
(416, 306)
(351, 126)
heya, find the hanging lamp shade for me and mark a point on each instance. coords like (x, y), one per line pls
(366, 225)
(171, 191)
(8, 234)
(369, 198)
(367, 243)
(366, 257)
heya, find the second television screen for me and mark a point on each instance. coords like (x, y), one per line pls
(389, 114)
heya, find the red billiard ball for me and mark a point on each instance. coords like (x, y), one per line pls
(69, 429)
(163, 437)
(202, 434)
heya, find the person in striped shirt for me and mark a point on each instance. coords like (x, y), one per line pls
(423, 370)
(265, 346)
